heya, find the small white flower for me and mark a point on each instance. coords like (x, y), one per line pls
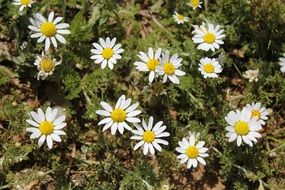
(106, 52)
(195, 4)
(169, 67)
(252, 75)
(208, 37)
(45, 66)
(149, 62)
(242, 127)
(149, 136)
(180, 19)
(258, 112)
(48, 30)
(24, 45)
(23, 3)
(46, 126)
(282, 63)
(209, 68)
(117, 118)
(192, 151)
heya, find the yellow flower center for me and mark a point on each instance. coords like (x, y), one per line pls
(192, 152)
(25, 2)
(209, 68)
(46, 128)
(241, 128)
(48, 29)
(151, 64)
(107, 53)
(148, 136)
(169, 68)
(209, 38)
(180, 17)
(46, 65)
(255, 113)
(118, 115)
(195, 3)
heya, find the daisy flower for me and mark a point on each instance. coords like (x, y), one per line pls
(258, 112)
(282, 63)
(169, 67)
(208, 37)
(192, 151)
(209, 68)
(149, 136)
(195, 4)
(46, 126)
(180, 19)
(23, 3)
(106, 52)
(118, 117)
(242, 127)
(48, 30)
(251, 75)
(45, 65)
(149, 62)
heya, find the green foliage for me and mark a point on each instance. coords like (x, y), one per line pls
(90, 159)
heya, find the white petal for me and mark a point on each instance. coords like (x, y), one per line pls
(49, 142)
(33, 123)
(139, 144)
(56, 137)
(60, 126)
(145, 148)
(41, 140)
(106, 120)
(114, 128)
(59, 120)
(103, 113)
(106, 106)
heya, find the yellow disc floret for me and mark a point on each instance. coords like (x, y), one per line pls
(118, 115)
(195, 3)
(151, 64)
(46, 65)
(48, 29)
(209, 68)
(192, 152)
(148, 136)
(169, 68)
(180, 17)
(107, 53)
(241, 128)
(25, 2)
(255, 113)
(209, 38)
(46, 128)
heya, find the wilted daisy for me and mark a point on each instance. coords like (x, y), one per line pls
(192, 151)
(242, 127)
(180, 19)
(251, 75)
(46, 126)
(23, 4)
(258, 112)
(209, 68)
(45, 65)
(149, 136)
(208, 36)
(118, 117)
(48, 30)
(106, 52)
(195, 4)
(169, 67)
(282, 63)
(149, 62)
